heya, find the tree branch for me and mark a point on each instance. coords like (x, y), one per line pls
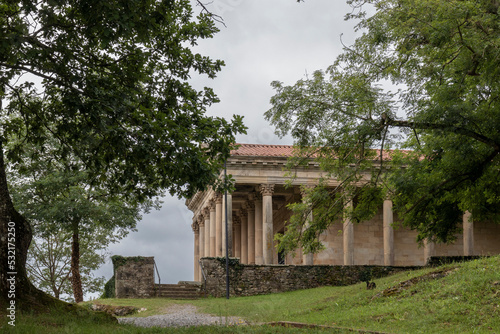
(215, 17)
(434, 126)
(455, 181)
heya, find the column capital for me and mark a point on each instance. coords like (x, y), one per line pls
(267, 189)
(211, 205)
(243, 212)
(206, 212)
(236, 220)
(201, 220)
(250, 205)
(218, 198)
(195, 227)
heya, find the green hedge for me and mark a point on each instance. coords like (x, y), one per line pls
(109, 289)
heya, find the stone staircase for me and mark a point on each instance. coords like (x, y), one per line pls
(182, 290)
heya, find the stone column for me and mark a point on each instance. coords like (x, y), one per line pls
(259, 257)
(201, 225)
(348, 236)
(213, 219)
(267, 222)
(251, 230)
(195, 228)
(307, 258)
(237, 237)
(229, 220)
(206, 216)
(388, 233)
(244, 236)
(218, 225)
(468, 226)
(428, 250)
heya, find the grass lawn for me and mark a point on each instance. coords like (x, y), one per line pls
(466, 300)
(456, 298)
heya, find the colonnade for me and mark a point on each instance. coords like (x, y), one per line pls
(252, 224)
(254, 235)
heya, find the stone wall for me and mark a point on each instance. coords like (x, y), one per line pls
(134, 276)
(486, 238)
(249, 280)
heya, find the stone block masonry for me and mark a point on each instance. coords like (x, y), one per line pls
(250, 280)
(134, 276)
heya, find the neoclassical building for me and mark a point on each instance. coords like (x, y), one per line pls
(257, 210)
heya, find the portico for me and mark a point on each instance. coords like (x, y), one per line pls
(257, 210)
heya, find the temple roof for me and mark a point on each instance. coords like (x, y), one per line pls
(260, 150)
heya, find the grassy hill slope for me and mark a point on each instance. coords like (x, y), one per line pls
(456, 298)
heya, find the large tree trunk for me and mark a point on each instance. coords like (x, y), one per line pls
(76, 280)
(16, 291)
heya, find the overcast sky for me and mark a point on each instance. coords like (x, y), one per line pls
(264, 41)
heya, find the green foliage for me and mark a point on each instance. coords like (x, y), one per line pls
(422, 78)
(61, 201)
(112, 103)
(109, 289)
(115, 92)
(233, 262)
(55, 195)
(366, 275)
(49, 258)
(118, 261)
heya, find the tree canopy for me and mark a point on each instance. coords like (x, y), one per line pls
(422, 79)
(73, 221)
(109, 81)
(115, 89)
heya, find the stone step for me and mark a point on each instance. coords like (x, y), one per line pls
(179, 291)
(179, 287)
(179, 296)
(170, 296)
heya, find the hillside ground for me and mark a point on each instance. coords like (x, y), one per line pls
(455, 298)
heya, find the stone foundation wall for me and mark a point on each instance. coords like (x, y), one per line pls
(249, 280)
(134, 276)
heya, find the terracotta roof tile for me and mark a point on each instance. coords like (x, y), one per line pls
(260, 150)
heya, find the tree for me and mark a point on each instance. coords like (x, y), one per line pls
(115, 94)
(60, 201)
(49, 263)
(423, 76)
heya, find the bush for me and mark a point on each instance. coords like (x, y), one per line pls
(109, 288)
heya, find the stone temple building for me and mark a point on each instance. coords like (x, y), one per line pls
(257, 210)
